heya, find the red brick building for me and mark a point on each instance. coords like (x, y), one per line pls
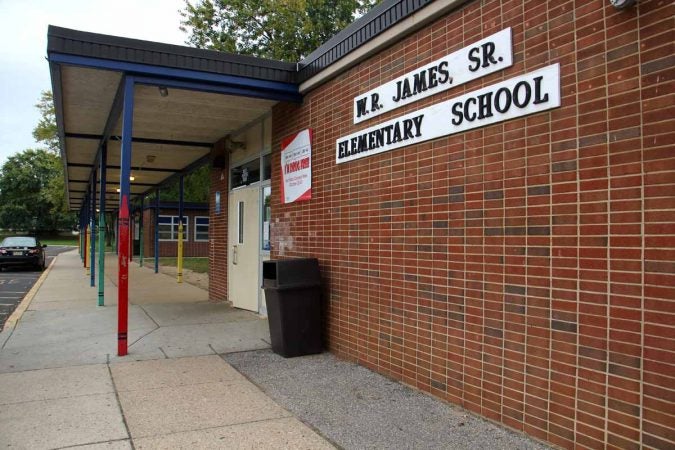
(526, 269)
(491, 197)
(196, 230)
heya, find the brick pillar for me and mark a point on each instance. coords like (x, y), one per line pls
(218, 224)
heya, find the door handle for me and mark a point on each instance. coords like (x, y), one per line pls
(234, 255)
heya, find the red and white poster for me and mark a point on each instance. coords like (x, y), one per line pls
(296, 167)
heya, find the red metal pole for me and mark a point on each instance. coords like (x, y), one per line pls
(123, 279)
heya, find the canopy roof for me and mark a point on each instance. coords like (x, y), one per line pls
(185, 100)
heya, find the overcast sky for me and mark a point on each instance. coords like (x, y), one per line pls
(24, 72)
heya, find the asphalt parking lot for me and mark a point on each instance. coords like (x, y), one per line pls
(16, 282)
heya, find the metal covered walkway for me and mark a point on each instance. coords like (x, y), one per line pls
(134, 116)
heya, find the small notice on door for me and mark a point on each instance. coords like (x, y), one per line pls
(296, 167)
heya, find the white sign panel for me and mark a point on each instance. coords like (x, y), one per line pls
(296, 167)
(469, 63)
(516, 97)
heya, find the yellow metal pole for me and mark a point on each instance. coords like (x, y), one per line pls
(180, 252)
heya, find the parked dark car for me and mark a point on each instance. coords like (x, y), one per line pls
(22, 251)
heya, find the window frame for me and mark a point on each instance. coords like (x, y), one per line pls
(174, 227)
(208, 228)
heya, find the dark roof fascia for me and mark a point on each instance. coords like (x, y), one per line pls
(94, 45)
(198, 206)
(376, 21)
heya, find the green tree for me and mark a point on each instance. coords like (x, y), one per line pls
(45, 131)
(195, 187)
(28, 192)
(32, 190)
(286, 30)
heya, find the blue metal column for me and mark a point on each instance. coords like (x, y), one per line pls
(157, 231)
(87, 230)
(93, 226)
(101, 224)
(125, 191)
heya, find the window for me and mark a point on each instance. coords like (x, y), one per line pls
(18, 241)
(245, 174)
(266, 217)
(241, 222)
(201, 228)
(168, 228)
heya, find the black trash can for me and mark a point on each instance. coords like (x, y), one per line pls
(293, 296)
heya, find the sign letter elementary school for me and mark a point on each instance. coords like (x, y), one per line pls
(519, 96)
(516, 97)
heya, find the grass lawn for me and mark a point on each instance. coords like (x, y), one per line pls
(60, 241)
(200, 265)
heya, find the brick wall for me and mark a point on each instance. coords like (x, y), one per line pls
(191, 248)
(218, 255)
(525, 270)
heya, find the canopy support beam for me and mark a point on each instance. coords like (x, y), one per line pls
(92, 225)
(101, 224)
(125, 187)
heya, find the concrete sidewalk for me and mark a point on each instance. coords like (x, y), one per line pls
(198, 375)
(61, 384)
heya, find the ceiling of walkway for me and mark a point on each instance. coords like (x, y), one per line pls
(170, 132)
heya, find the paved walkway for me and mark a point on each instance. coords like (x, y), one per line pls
(198, 375)
(61, 384)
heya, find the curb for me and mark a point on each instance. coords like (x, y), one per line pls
(28, 298)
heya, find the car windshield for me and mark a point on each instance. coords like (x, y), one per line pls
(18, 241)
